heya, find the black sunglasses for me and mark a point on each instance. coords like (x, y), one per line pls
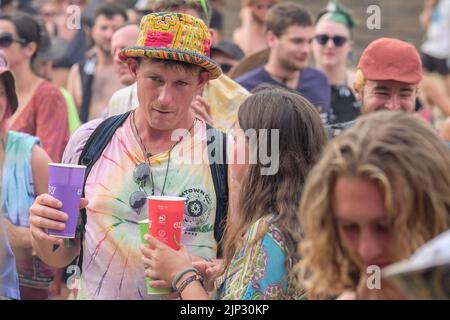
(7, 39)
(338, 41)
(226, 67)
(140, 175)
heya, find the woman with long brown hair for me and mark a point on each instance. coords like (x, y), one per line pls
(42, 110)
(261, 237)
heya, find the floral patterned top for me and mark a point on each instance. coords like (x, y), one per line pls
(258, 270)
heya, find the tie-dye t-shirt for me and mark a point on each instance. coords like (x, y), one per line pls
(112, 266)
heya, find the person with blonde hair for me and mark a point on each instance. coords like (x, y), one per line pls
(379, 192)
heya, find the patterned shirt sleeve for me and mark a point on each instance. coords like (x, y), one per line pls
(258, 271)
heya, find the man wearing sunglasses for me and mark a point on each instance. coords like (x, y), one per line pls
(143, 157)
(388, 75)
(289, 33)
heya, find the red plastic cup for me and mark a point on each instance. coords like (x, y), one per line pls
(165, 215)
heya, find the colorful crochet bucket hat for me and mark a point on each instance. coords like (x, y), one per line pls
(174, 36)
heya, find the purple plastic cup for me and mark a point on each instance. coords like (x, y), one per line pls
(65, 183)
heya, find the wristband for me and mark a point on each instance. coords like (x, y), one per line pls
(189, 280)
(179, 275)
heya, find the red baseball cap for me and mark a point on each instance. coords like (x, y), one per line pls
(391, 59)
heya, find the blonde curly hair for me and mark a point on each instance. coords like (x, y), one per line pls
(409, 162)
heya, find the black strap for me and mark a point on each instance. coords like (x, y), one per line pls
(87, 80)
(92, 151)
(217, 152)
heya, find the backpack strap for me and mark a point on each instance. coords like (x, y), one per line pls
(87, 73)
(217, 153)
(92, 151)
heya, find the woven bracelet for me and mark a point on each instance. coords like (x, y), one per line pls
(181, 274)
(187, 281)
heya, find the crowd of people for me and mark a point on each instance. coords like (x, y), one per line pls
(361, 154)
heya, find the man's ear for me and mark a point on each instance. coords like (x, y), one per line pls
(270, 38)
(203, 78)
(133, 66)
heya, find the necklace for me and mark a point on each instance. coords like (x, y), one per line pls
(147, 154)
(283, 80)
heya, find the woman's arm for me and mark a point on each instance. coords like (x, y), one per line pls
(165, 263)
(427, 12)
(20, 237)
(39, 169)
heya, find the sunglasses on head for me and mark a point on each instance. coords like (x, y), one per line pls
(7, 39)
(338, 41)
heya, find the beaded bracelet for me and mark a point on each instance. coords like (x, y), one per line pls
(181, 274)
(187, 281)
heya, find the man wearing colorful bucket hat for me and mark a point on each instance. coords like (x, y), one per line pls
(388, 75)
(220, 100)
(170, 63)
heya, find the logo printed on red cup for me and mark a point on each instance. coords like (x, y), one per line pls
(167, 213)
